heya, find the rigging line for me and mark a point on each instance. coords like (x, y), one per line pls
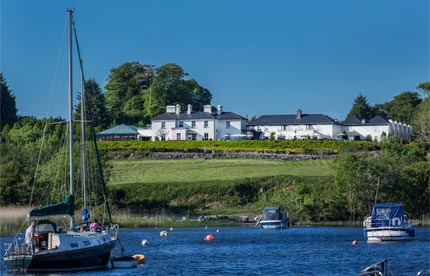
(99, 166)
(46, 117)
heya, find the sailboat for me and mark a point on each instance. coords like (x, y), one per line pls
(78, 248)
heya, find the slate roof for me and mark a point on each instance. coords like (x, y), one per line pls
(306, 119)
(120, 129)
(197, 115)
(355, 121)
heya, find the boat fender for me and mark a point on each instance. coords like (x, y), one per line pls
(140, 258)
(396, 222)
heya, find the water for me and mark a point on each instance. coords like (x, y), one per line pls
(252, 251)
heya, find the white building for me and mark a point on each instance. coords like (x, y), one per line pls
(208, 124)
(319, 126)
(378, 128)
(298, 126)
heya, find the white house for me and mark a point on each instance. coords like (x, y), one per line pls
(378, 128)
(319, 126)
(199, 125)
(298, 126)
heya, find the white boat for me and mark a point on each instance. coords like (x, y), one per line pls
(274, 218)
(388, 222)
(52, 249)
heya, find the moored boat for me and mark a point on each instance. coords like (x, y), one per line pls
(274, 218)
(388, 222)
(48, 248)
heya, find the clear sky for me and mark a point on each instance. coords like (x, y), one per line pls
(256, 57)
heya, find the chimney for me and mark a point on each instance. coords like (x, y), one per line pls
(189, 109)
(207, 108)
(219, 109)
(299, 114)
(178, 109)
(363, 121)
(170, 109)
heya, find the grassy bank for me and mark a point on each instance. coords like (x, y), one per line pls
(198, 170)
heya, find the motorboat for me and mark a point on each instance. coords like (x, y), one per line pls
(388, 222)
(273, 218)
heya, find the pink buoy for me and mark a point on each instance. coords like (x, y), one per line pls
(354, 242)
(171, 228)
(209, 237)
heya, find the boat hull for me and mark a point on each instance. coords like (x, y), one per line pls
(76, 253)
(388, 234)
(274, 224)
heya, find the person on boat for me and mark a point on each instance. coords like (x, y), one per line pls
(95, 226)
(29, 235)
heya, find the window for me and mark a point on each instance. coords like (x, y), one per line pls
(178, 136)
(227, 124)
(193, 136)
(206, 136)
(193, 124)
(163, 124)
(181, 124)
(206, 124)
(163, 138)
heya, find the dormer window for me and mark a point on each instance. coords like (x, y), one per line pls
(181, 124)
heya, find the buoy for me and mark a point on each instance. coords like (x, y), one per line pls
(163, 233)
(171, 228)
(354, 242)
(217, 230)
(144, 242)
(140, 258)
(209, 237)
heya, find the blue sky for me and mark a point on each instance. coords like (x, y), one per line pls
(256, 57)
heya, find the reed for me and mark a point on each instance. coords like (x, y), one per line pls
(12, 220)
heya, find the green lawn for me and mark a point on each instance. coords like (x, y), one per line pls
(194, 170)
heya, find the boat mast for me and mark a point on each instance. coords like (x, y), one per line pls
(72, 190)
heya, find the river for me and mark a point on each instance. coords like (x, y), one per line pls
(253, 251)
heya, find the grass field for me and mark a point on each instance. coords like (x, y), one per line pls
(194, 170)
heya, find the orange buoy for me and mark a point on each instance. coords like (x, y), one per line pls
(163, 233)
(354, 242)
(209, 237)
(140, 258)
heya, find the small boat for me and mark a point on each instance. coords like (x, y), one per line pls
(50, 248)
(388, 222)
(376, 269)
(124, 262)
(274, 218)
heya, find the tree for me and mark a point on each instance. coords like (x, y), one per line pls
(96, 103)
(403, 106)
(8, 108)
(421, 118)
(125, 82)
(361, 109)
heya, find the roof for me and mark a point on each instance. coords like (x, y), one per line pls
(305, 119)
(197, 115)
(355, 121)
(120, 129)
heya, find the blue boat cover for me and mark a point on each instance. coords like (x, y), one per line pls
(272, 213)
(383, 214)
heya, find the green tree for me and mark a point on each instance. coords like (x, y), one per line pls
(96, 104)
(403, 106)
(361, 108)
(124, 82)
(8, 110)
(421, 119)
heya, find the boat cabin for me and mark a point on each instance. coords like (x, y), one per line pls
(273, 213)
(385, 215)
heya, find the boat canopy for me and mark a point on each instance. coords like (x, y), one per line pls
(384, 213)
(272, 213)
(63, 208)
